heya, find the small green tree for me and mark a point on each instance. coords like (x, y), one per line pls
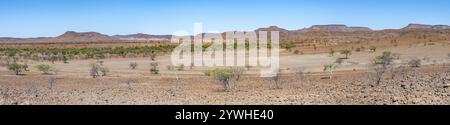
(98, 69)
(154, 67)
(346, 52)
(227, 77)
(18, 68)
(95, 70)
(382, 64)
(180, 67)
(133, 65)
(289, 46)
(44, 68)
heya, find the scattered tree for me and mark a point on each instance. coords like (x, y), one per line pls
(45, 69)
(381, 64)
(18, 68)
(133, 65)
(297, 52)
(95, 70)
(330, 68)
(289, 46)
(300, 73)
(227, 77)
(104, 70)
(346, 52)
(65, 59)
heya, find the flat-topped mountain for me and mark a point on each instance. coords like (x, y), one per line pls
(338, 28)
(141, 36)
(425, 26)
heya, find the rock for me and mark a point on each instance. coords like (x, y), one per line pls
(403, 86)
(446, 85)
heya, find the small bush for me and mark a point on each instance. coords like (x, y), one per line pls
(346, 52)
(331, 52)
(330, 68)
(18, 68)
(297, 52)
(415, 63)
(276, 78)
(227, 77)
(104, 70)
(95, 70)
(154, 67)
(133, 65)
(44, 68)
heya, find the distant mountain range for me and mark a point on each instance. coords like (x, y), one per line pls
(141, 36)
(82, 37)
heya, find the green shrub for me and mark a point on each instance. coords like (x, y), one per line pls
(346, 52)
(227, 77)
(44, 68)
(18, 68)
(154, 67)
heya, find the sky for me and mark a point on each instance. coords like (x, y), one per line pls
(48, 18)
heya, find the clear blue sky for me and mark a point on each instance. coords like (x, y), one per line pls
(32, 18)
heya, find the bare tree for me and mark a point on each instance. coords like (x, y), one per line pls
(133, 65)
(330, 68)
(52, 82)
(130, 83)
(382, 64)
(98, 69)
(227, 77)
(276, 78)
(415, 63)
(300, 73)
(154, 67)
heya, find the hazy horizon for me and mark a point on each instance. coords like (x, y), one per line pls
(49, 18)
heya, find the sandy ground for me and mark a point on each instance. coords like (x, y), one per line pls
(352, 83)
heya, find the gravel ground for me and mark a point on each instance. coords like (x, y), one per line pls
(428, 86)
